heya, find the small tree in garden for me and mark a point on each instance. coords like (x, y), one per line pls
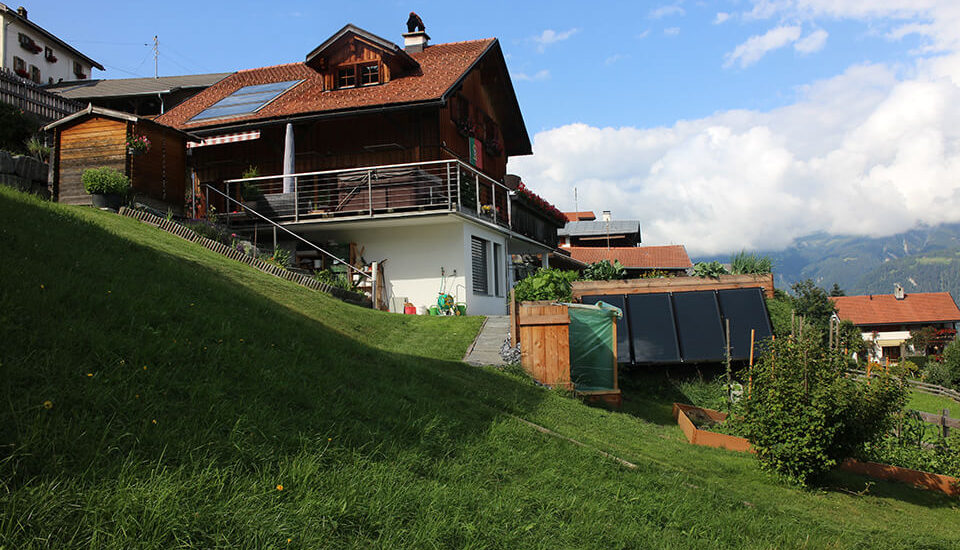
(803, 415)
(546, 284)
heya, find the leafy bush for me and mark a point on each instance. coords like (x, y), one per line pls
(16, 127)
(709, 269)
(37, 148)
(249, 190)
(779, 308)
(604, 271)
(207, 229)
(936, 373)
(804, 416)
(104, 181)
(546, 284)
(281, 257)
(337, 280)
(951, 361)
(748, 262)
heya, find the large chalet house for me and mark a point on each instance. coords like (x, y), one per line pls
(399, 151)
(886, 320)
(36, 54)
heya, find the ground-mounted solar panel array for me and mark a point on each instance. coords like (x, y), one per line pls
(246, 100)
(687, 327)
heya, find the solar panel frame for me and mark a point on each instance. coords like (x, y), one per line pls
(746, 309)
(653, 329)
(699, 327)
(239, 102)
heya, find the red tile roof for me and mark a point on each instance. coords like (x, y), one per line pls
(585, 216)
(441, 65)
(884, 309)
(635, 257)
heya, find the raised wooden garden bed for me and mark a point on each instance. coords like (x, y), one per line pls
(688, 416)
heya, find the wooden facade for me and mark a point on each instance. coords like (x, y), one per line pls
(96, 138)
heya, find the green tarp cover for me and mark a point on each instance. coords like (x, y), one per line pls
(592, 357)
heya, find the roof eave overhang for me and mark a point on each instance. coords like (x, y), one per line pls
(90, 110)
(510, 148)
(311, 117)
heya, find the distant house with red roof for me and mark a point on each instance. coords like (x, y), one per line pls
(671, 259)
(885, 320)
(401, 151)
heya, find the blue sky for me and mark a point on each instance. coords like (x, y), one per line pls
(720, 125)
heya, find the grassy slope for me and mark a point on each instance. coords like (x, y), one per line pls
(933, 403)
(378, 435)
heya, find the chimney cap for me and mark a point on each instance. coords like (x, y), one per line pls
(898, 291)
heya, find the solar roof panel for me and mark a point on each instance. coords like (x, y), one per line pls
(624, 354)
(246, 100)
(746, 310)
(653, 332)
(698, 325)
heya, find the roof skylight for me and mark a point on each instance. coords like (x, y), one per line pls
(246, 100)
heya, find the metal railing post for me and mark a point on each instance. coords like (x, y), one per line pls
(509, 211)
(449, 196)
(459, 200)
(370, 191)
(296, 200)
(476, 188)
(207, 210)
(493, 200)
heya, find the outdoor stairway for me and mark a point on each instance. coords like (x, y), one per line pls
(220, 248)
(486, 348)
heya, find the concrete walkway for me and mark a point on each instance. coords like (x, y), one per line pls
(486, 348)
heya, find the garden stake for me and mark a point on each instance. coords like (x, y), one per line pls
(750, 369)
(729, 381)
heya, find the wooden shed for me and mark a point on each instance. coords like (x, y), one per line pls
(96, 137)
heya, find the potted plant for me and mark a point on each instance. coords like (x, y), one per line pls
(137, 145)
(107, 187)
(250, 193)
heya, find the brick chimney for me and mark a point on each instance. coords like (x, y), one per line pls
(416, 37)
(22, 12)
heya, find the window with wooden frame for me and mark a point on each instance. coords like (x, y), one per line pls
(49, 55)
(35, 74)
(347, 76)
(369, 74)
(19, 65)
(78, 70)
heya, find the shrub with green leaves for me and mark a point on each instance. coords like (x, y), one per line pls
(712, 269)
(104, 181)
(804, 416)
(951, 362)
(604, 271)
(749, 262)
(546, 284)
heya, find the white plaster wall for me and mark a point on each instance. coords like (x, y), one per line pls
(415, 254)
(61, 69)
(492, 303)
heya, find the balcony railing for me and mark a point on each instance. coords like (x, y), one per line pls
(391, 190)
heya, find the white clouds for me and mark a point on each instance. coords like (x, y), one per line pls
(550, 36)
(666, 11)
(614, 58)
(756, 47)
(671, 31)
(542, 74)
(721, 17)
(811, 43)
(864, 152)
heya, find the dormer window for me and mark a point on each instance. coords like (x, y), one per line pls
(347, 77)
(370, 74)
(362, 74)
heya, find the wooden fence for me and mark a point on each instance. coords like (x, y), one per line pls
(931, 389)
(31, 98)
(545, 333)
(673, 284)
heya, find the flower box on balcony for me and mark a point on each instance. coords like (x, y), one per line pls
(51, 58)
(22, 72)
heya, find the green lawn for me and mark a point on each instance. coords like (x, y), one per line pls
(933, 403)
(185, 390)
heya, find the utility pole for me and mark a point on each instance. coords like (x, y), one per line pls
(156, 55)
(576, 205)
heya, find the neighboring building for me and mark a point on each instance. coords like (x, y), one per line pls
(671, 260)
(138, 96)
(585, 216)
(582, 229)
(401, 151)
(885, 320)
(33, 53)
